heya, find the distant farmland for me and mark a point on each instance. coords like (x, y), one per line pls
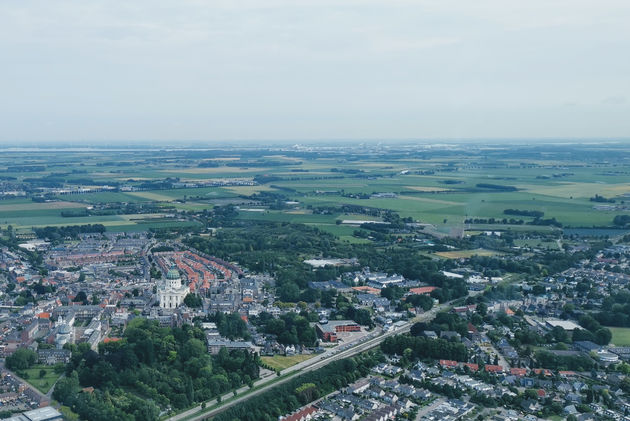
(436, 187)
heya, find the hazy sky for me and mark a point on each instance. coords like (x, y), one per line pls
(273, 69)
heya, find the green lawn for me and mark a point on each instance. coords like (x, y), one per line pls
(105, 197)
(537, 243)
(43, 384)
(465, 254)
(280, 362)
(620, 336)
(68, 414)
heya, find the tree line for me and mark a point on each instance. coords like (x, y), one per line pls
(519, 212)
(295, 393)
(418, 347)
(56, 234)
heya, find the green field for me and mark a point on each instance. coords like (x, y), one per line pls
(43, 384)
(435, 186)
(463, 254)
(620, 336)
(344, 232)
(280, 362)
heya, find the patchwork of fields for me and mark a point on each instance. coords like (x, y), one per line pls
(440, 188)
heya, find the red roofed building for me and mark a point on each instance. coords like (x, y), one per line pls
(567, 373)
(43, 316)
(448, 363)
(367, 289)
(422, 290)
(518, 371)
(465, 309)
(541, 393)
(545, 371)
(494, 368)
(302, 415)
(471, 366)
(108, 340)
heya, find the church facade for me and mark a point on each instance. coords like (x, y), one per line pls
(171, 292)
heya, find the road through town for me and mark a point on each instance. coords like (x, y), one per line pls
(262, 385)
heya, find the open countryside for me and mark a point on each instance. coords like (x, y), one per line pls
(188, 285)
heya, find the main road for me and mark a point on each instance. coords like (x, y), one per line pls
(262, 385)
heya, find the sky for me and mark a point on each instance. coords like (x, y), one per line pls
(230, 70)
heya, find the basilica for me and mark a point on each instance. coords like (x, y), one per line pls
(171, 292)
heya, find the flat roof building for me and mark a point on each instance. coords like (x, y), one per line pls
(215, 345)
(328, 331)
(564, 324)
(47, 413)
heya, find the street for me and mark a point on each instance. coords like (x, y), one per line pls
(308, 365)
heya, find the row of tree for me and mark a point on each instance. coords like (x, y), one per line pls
(524, 212)
(56, 234)
(418, 347)
(615, 309)
(297, 392)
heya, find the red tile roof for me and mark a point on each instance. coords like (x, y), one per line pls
(518, 371)
(301, 415)
(422, 290)
(471, 366)
(545, 371)
(367, 289)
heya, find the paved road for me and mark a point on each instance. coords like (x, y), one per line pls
(40, 394)
(308, 365)
(52, 388)
(146, 267)
(47, 396)
(429, 408)
(502, 361)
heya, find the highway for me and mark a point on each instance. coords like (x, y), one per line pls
(267, 383)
